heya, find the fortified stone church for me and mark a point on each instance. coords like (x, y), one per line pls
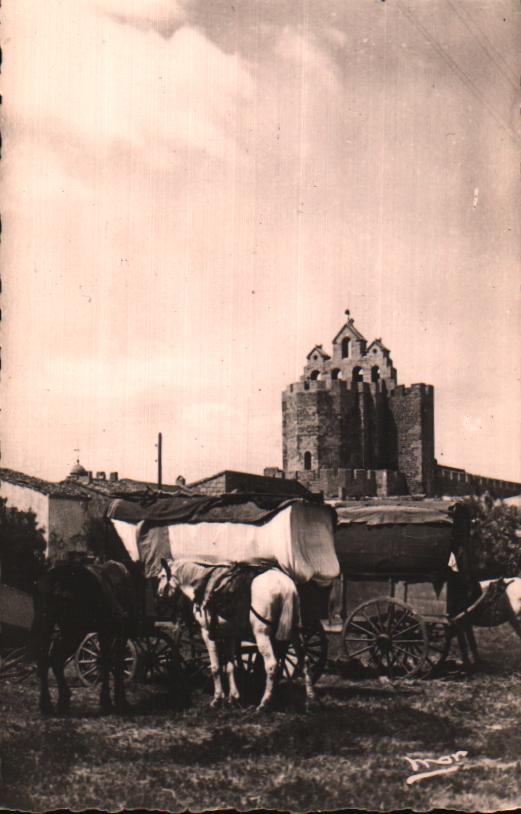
(350, 430)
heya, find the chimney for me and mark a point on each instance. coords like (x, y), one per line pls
(89, 475)
(101, 476)
(113, 477)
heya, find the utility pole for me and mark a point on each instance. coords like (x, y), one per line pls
(159, 460)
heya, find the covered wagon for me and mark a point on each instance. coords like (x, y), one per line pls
(295, 535)
(394, 560)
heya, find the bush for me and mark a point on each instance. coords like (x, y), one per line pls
(22, 546)
(496, 546)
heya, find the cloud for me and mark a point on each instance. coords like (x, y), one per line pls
(143, 13)
(77, 73)
(194, 191)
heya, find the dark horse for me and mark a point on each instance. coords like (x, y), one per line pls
(71, 600)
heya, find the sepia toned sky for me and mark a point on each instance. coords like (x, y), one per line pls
(194, 192)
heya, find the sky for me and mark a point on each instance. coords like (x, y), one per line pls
(194, 192)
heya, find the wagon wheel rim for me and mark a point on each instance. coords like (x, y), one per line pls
(87, 660)
(15, 664)
(248, 658)
(315, 646)
(155, 656)
(385, 635)
(191, 651)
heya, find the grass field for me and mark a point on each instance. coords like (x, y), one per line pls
(349, 753)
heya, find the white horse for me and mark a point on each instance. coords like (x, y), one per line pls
(274, 616)
(505, 608)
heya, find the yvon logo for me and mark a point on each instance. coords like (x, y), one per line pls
(424, 768)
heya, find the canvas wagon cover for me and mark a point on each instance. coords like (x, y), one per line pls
(295, 534)
(412, 541)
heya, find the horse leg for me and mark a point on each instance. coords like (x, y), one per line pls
(42, 660)
(105, 643)
(473, 645)
(463, 638)
(515, 624)
(215, 668)
(265, 648)
(58, 659)
(41, 644)
(228, 651)
(305, 666)
(120, 699)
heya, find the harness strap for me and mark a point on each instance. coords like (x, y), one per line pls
(494, 592)
(261, 618)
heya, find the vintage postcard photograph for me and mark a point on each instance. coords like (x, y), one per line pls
(260, 466)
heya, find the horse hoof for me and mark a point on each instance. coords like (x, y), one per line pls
(216, 703)
(262, 708)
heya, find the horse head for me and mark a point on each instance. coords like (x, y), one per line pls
(168, 585)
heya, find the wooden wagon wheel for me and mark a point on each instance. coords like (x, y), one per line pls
(16, 664)
(191, 650)
(249, 659)
(87, 660)
(155, 655)
(385, 635)
(315, 644)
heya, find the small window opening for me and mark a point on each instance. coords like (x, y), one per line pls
(375, 373)
(315, 375)
(336, 374)
(358, 375)
(345, 347)
(307, 460)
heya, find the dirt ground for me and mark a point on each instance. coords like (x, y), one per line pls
(349, 753)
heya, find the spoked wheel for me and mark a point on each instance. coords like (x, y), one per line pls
(156, 653)
(315, 645)
(438, 634)
(88, 656)
(191, 651)
(386, 636)
(248, 658)
(16, 664)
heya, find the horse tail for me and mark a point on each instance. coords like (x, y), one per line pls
(289, 618)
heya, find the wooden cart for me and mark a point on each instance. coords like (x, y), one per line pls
(148, 656)
(236, 527)
(394, 561)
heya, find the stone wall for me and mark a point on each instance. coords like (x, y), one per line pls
(360, 425)
(342, 483)
(346, 414)
(340, 424)
(457, 482)
(67, 519)
(412, 409)
(247, 482)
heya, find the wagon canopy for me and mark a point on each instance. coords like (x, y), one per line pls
(409, 541)
(295, 534)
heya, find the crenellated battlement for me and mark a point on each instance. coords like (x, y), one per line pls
(347, 412)
(402, 390)
(336, 385)
(348, 427)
